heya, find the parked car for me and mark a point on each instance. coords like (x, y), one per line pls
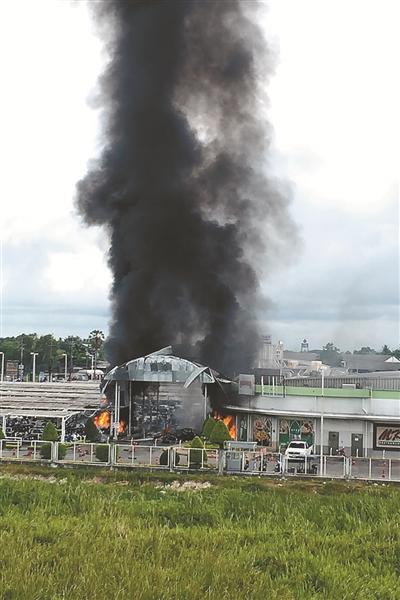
(299, 449)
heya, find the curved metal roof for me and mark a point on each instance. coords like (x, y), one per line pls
(162, 366)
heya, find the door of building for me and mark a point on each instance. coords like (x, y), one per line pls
(333, 441)
(357, 446)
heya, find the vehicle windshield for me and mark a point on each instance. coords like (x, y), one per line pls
(297, 444)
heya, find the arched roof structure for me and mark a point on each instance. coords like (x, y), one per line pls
(163, 366)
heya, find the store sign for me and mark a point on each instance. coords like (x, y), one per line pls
(12, 368)
(387, 435)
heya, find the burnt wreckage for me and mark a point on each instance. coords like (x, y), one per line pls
(159, 391)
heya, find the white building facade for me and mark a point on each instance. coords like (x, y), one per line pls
(360, 422)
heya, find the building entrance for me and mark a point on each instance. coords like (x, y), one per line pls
(357, 446)
(333, 441)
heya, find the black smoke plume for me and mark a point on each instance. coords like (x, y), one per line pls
(180, 183)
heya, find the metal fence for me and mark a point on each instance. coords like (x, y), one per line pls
(180, 458)
(141, 456)
(25, 450)
(194, 458)
(82, 453)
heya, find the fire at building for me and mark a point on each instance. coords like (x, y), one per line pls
(161, 392)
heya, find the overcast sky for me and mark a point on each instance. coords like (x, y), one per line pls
(334, 108)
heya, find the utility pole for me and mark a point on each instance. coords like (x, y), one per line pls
(2, 367)
(21, 364)
(65, 365)
(71, 364)
(34, 355)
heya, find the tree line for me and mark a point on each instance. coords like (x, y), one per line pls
(332, 355)
(51, 351)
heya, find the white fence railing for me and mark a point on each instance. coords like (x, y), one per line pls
(82, 453)
(195, 458)
(258, 462)
(25, 450)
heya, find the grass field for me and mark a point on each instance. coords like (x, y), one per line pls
(87, 535)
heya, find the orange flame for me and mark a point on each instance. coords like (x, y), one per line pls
(103, 420)
(229, 422)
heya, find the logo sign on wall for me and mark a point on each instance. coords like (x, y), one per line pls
(387, 436)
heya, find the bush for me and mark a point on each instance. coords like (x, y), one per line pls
(62, 451)
(220, 434)
(50, 433)
(102, 453)
(208, 426)
(91, 431)
(164, 458)
(197, 454)
(45, 451)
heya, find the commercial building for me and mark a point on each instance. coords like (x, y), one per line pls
(362, 422)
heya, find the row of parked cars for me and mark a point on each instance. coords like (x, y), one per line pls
(26, 428)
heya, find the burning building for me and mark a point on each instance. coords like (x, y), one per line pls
(159, 391)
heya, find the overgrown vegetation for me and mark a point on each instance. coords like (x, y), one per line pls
(244, 538)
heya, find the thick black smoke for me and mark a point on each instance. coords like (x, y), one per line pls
(180, 181)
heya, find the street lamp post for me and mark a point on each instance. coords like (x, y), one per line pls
(2, 367)
(66, 365)
(34, 354)
(92, 368)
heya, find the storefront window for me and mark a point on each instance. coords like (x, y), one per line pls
(295, 429)
(242, 425)
(262, 430)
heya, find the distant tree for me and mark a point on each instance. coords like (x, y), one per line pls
(47, 348)
(329, 355)
(386, 350)
(330, 347)
(96, 341)
(50, 433)
(208, 426)
(91, 431)
(365, 350)
(10, 347)
(219, 434)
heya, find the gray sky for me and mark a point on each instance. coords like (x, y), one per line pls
(334, 108)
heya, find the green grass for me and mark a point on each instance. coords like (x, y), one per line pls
(93, 534)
